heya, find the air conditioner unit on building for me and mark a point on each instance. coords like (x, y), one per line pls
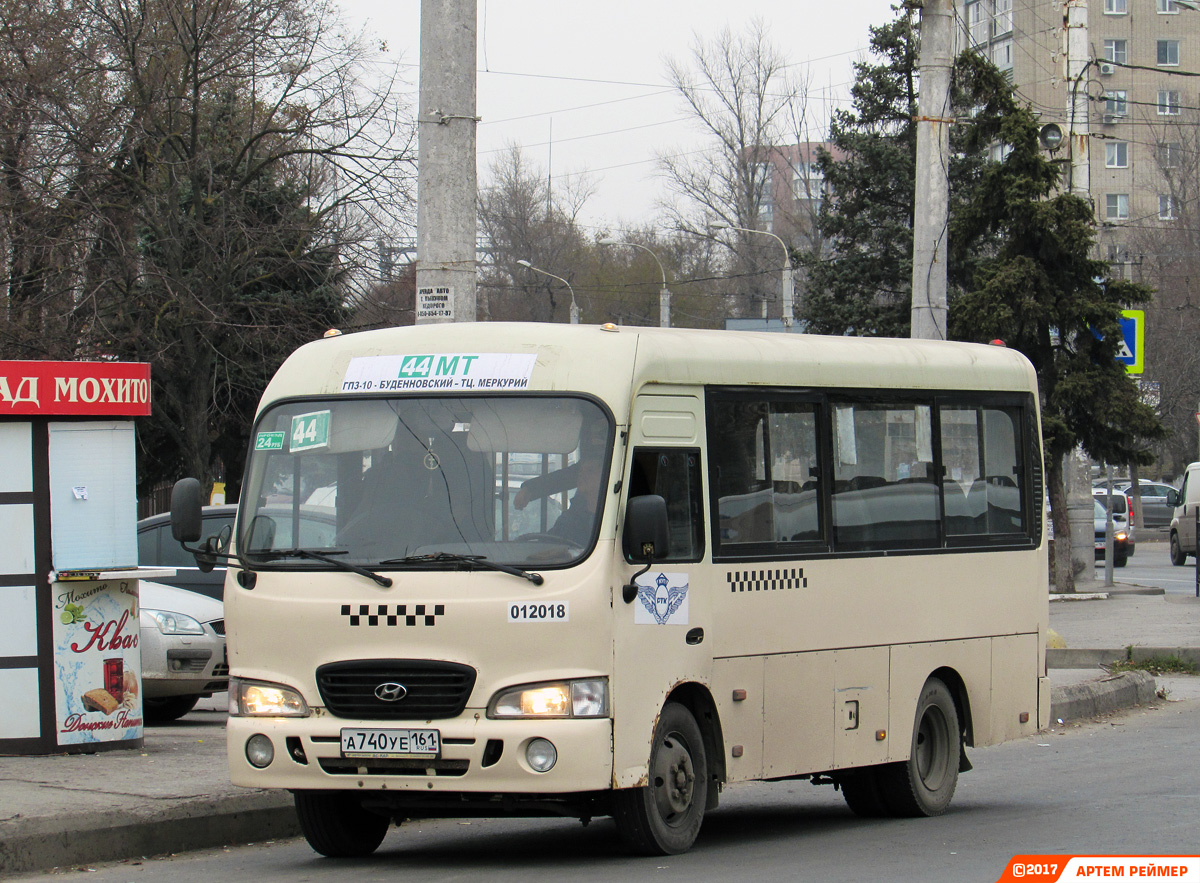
(1106, 69)
(1110, 118)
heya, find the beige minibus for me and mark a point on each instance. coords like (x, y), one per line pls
(532, 569)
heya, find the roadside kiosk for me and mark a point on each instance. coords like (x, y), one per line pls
(70, 665)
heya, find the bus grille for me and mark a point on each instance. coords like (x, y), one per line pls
(378, 766)
(431, 689)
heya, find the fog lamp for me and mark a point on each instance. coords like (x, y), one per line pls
(259, 751)
(541, 755)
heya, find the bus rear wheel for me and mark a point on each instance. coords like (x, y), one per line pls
(664, 817)
(336, 825)
(924, 784)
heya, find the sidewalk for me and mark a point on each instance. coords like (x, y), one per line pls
(171, 796)
(174, 795)
(1111, 624)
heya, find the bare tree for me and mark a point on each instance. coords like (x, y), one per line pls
(523, 220)
(752, 107)
(1162, 249)
(203, 173)
(628, 278)
(56, 135)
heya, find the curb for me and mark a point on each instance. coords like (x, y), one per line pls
(1065, 657)
(1113, 693)
(1084, 657)
(40, 844)
(1187, 654)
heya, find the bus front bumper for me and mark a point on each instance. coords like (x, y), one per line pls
(477, 755)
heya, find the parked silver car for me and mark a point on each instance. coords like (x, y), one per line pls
(1158, 501)
(182, 639)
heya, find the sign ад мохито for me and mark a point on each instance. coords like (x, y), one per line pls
(91, 389)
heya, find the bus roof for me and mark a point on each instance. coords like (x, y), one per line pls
(612, 361)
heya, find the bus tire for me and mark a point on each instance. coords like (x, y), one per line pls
(664, 817)
(863, 795)
(336, 825)
(1178, 556)
(924, 784)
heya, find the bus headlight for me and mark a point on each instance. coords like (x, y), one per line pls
(581, 698)
(255, 698)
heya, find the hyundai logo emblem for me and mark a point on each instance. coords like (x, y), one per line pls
(390, 692)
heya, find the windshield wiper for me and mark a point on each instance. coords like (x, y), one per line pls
(467, 561)
(385, 581)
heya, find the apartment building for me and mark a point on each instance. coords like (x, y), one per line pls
(791, 189)
(1143, 107)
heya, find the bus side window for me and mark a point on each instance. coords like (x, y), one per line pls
(766, 476)
(981, 486)
(884, 492)
(673, 474)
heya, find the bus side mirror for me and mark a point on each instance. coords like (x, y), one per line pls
(645, 537)
(645, 534)
(186, 503)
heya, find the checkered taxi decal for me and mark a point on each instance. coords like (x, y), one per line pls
(422, 614)
(768, 580)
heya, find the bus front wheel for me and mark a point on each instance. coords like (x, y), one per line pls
(336, 825)
(664, 817)
(924, 784)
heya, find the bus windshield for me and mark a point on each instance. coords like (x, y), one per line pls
(416, 482)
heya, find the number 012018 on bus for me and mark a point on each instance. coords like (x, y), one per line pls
(482, 569)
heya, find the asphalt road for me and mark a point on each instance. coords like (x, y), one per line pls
(1112, 787)
(1151, 566)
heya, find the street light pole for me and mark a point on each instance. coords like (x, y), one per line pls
(574, 306)
(787, 292)
(664, 296)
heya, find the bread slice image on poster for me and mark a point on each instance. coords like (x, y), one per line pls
(100, 700)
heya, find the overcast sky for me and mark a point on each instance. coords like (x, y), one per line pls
(582, 86)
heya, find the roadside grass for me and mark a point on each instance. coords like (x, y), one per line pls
(1157, 665)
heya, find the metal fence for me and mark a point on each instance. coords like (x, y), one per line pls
(157, 500)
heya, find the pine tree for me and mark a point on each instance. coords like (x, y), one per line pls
(862, 284)
(1038, 287)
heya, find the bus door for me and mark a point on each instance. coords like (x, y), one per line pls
(661, 635)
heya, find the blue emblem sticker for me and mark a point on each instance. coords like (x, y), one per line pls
(662, 600)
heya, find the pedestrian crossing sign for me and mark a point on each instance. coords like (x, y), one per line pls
(1131, 352)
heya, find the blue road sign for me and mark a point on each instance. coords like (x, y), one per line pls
(1132, 351)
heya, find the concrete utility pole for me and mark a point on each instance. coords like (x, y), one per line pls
(446, 178)
(933, 158)
(1075, 35)
(1076, 471)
